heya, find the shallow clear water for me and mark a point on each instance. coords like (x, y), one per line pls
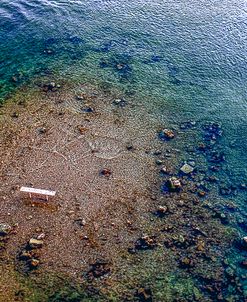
(188, 57)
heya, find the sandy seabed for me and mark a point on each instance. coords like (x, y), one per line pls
(62, 141)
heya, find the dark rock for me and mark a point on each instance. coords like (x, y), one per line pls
(106, 172)
(51, 86)
(119, 102)
(15, 114)
(88, 109)
(186, 262)
(214, 168)
(144, 294)
(216, 156)
(158, 152)
(42, 130)
(98, 269)
(244, 264)
(146, 242)
(159, 162)
(202, 147)
(227, 189)
(129, 147)
(80, 97)
(212, 179)
(244, 242)
(132, 250)
(25, 255)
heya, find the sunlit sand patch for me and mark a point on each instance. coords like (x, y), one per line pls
(105, 147)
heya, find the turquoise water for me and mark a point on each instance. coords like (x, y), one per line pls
(187, 58)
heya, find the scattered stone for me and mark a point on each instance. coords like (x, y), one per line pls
(99, 269)
(88, 109)
(213, 130)
(187, 125)
(80, 97)
(186, 262)
(41, 236)
(216, 156)
(174, 184)
(129, 147)
(243, 186)
(201, 193)
(145, 243)
(52, 86)
(5, 229)
(164, 170)
(202, 147)
(48, 51)
(186, 169)
(106, 172)
(42, 130)
(82, 129)
(227, 189)
(161, 211)
(244, 242)
(34, 263)
(159, 162)
(212, 179)
(25, 255)
(166, 134)
(244, 263)
(144, 294)
(200, 246)
(15, 114)
(119, 102)
(158, 152)
(35, 243)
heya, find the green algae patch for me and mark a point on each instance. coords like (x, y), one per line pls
(48, 287)
(173, 287)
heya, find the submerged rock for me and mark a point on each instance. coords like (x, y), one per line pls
(166, 134)
(5, 229)
(161, 211)
(106, 172)
(186, 169)
(34, 263)
(186, 262)
(145, 243)
(173, 184)
(35, 243)
(98, 269)
(144, 294)
(119, 102)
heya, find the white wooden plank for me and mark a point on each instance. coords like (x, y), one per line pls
(38, 191)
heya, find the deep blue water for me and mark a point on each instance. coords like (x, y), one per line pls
(187, 56)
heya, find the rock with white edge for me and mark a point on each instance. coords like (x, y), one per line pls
(186, 169)
(4, 229)
(35, 243)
